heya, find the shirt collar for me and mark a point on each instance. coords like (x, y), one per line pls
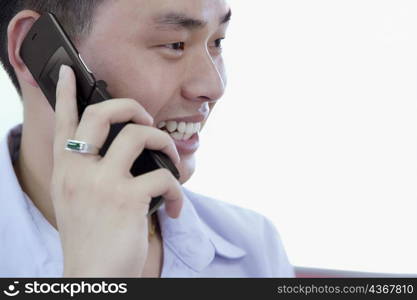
(9, 185)
(192, 240)
(24, 250)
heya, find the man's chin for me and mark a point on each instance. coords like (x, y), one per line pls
(186, 167)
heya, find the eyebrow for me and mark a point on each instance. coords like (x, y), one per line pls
(182, 21)
(226, 18)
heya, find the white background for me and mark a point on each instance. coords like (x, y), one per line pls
(318, 128)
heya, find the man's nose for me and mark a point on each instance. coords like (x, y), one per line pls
(204, 81)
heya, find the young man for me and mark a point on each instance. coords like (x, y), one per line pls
(75, 214)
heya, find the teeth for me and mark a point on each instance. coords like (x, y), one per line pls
(180, 130)
(190, 128)
(187, 136)
(182, 127)
(172, 126)
(162, 125)
(197, 127)
(177, 135)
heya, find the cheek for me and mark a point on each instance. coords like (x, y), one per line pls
(137, 76)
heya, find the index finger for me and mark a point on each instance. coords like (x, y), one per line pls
(66, 111)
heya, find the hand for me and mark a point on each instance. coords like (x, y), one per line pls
(100, 207)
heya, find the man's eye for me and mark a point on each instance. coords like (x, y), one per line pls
(218, 43)
(180, 46)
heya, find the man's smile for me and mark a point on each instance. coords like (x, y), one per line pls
(184, 132)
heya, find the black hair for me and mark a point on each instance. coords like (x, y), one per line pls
(76, 16)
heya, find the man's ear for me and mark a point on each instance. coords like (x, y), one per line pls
(18, 27)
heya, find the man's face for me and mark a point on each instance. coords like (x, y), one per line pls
(166, 54)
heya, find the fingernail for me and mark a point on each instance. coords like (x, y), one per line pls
(63, 71)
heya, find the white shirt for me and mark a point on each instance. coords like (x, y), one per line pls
(211, 238)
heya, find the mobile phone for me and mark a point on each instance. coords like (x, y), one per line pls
(45, 48)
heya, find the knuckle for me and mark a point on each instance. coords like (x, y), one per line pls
(103, 188)
(94, 114)
(124, 200)
(131, 130)
(82, 183)
(90, 112)
(69, 186)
